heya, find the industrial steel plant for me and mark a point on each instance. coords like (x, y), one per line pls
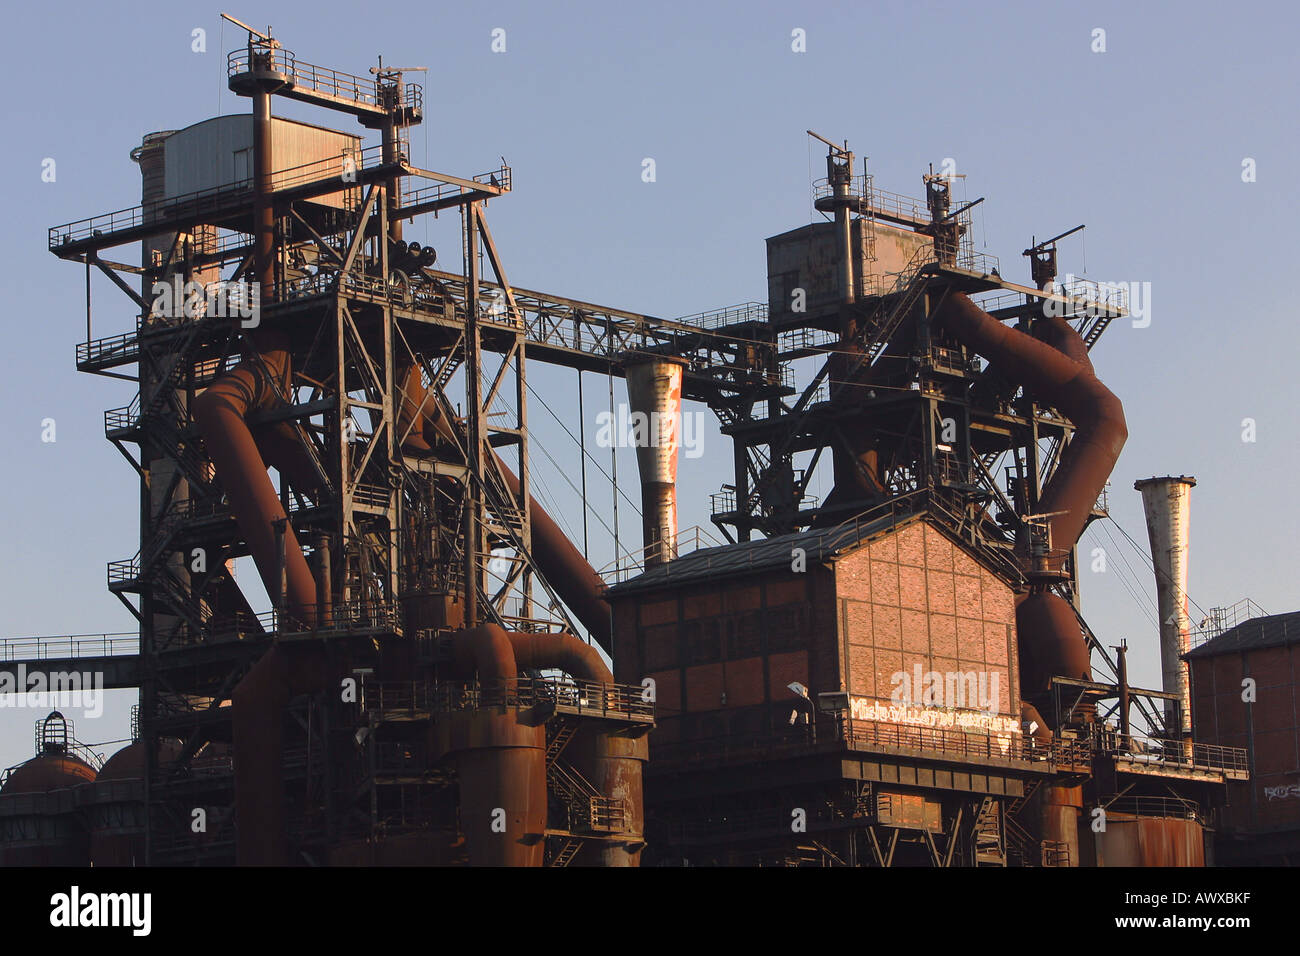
(898, 674)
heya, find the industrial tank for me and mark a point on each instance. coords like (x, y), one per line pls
(116, 804)
(39, 824)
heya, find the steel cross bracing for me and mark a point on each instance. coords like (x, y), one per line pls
(908, 409)
(354, 321)
(557, 329)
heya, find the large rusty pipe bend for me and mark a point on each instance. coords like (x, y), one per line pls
(612, 762)
(542, 651)
(501, 762)
(485, 650)
(496, 654)
(1051, 643)
(220, 413)
(1054, 375)
(1060, 335)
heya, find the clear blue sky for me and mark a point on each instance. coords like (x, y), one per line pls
(1144, 143)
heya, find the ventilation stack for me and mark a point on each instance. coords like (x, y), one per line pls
(654, 392)
(1166, 502)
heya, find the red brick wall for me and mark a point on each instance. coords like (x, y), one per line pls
(914, 597)
(1220, 716)
(721, 654)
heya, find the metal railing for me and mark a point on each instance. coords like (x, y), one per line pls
(580, 698)
(1177, 755)
(1156, 806)
(981, 262)
(632, 563)
(117, 644)
(1088, 294)
(113, 347)
(895, 204)
(1221, 619)
(125, 571)
(318, 79)
(349, 616)
(871, 736)
(875, 737)
(727, 315)
(880, 201)
(195, 204)
(354, 616)
(124, 418)
(500, 177)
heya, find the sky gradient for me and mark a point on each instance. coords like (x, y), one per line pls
(1144, 143)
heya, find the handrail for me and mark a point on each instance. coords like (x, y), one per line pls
(869, 736)
(115, 644)
(320, 79)
(694, 538)
(1156, 806)
(832, 539)
(727, 315)
(1177, 754)
(212, 198)
(581, 698)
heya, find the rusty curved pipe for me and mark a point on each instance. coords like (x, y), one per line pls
(486, 650)
(564, 652)
(610, 761)
(1059, 373)
(500, 760)
(1053, 364)
(220, 413)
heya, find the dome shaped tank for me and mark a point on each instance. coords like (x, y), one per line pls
(39, 823)
(117, 816)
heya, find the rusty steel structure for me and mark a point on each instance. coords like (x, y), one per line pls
(425, 687)
(430, 682)
(970, 441)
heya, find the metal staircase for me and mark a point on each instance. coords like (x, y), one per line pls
(567, 853)
(990, 849)
(588, 810)
(885, 330)
(1091, 331)
(559, 740)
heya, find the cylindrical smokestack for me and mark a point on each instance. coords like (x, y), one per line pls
(1167, 503)
(151, 155)
(654, 391)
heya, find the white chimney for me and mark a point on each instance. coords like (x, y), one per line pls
(1167, 503)
(654, 389)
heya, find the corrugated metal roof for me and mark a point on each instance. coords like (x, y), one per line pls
(819, 545)
(1275, 630)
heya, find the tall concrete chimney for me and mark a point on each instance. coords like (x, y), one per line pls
(654, 390)
(1167, 503)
